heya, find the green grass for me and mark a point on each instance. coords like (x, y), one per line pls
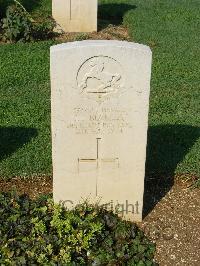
(171, 28)
(25, 109)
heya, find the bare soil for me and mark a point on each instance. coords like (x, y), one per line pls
(111, 32)
(174, 225)
(34, 187)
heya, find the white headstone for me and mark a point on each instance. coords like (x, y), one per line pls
(100, 100)
(75, 15)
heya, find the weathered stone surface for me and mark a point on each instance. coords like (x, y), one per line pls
(100, 100)
(75, 15)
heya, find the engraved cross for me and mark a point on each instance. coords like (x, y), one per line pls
(74, 9)
(70, 9)
(98, 160)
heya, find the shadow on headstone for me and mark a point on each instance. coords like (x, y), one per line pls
(12, 138)
(167, 146)
(112, 14)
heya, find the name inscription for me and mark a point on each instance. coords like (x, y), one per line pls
(99, 121)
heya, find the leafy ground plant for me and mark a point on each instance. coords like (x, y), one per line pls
(37, 232)
(18, 25)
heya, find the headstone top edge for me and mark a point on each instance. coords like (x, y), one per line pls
(108, 43)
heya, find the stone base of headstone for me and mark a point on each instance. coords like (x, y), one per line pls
(75, 15)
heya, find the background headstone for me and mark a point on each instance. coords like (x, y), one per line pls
(75, 15)
(100, 100)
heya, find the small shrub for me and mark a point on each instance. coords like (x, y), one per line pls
(19, 26)
(37, 232)
(44, 29)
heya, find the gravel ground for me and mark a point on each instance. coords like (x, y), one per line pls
(174, 225)
(110, 32)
